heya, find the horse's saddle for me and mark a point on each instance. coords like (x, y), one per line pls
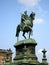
(26, 23)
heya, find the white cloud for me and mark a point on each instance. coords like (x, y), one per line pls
(40, 51)
(29, 3)
(38, 21)
(47, 53)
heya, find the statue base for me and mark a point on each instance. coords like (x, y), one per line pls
(25, 52)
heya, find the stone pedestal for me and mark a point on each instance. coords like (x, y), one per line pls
(25, 52)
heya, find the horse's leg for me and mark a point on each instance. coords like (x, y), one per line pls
(17, 31)
(29, 34)
(17, 35)
(24, 35)
(17, 38)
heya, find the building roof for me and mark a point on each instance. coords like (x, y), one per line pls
(5, 51)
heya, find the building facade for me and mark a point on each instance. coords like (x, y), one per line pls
(3, 54)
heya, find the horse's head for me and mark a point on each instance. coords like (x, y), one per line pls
(32, 15)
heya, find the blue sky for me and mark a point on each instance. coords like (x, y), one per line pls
(10, 16)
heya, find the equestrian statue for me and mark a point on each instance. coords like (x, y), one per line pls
(26, 24)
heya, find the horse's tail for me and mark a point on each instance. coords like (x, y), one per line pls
(17, 30)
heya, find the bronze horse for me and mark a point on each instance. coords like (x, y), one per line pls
(26, 26)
